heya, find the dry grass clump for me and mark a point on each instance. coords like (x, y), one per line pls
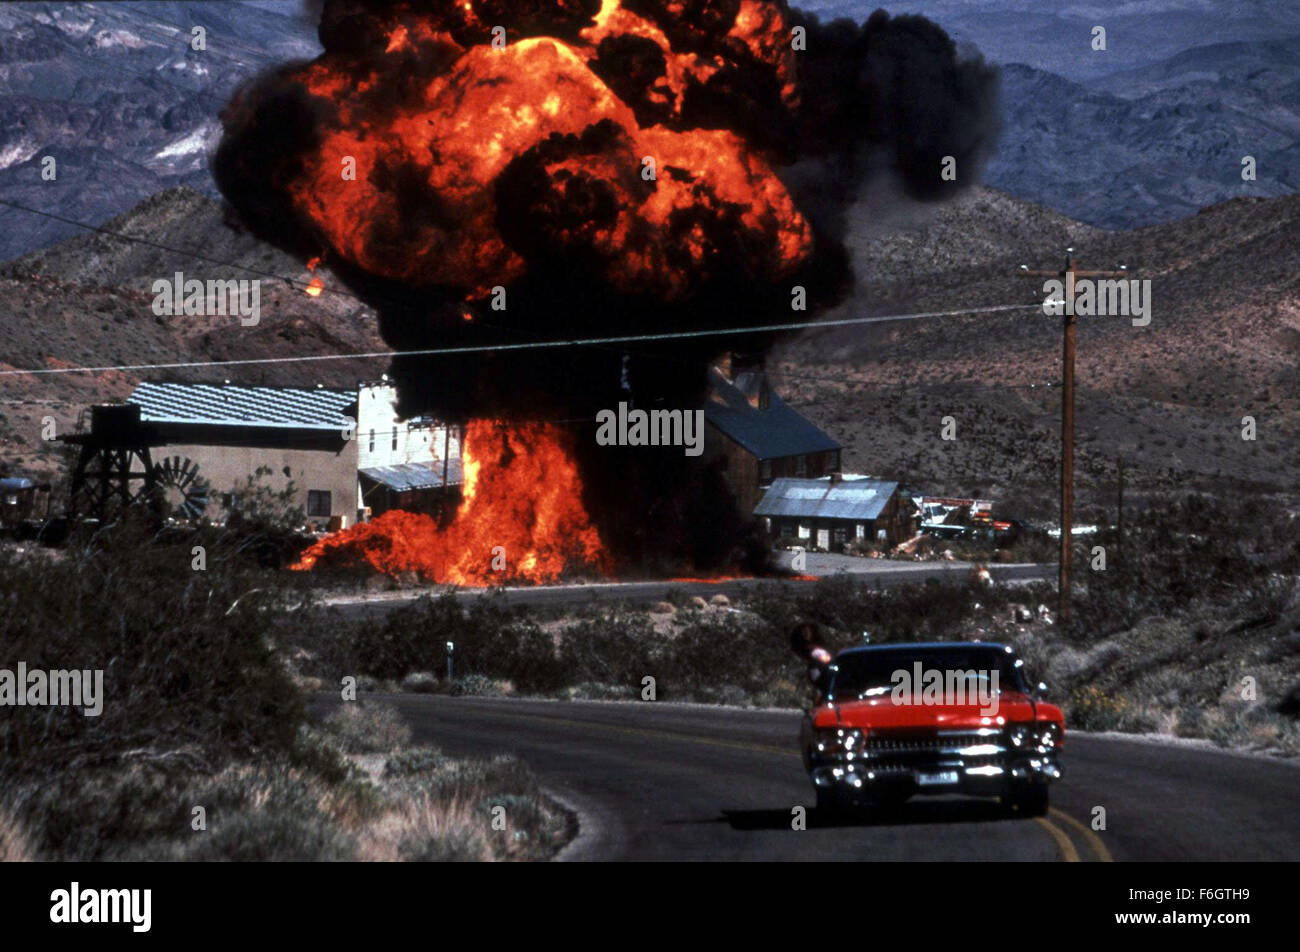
(13, 840)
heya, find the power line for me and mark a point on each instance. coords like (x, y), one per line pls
(293, 282)
(98, 229)
(876, 385)
(527, 345)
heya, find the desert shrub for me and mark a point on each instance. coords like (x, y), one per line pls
(1092, 709)
(596, 691)
(492, 640)
(270, 813)
(365, 728)
(413, 762)
(187, 656)
(282, 834)
(420, 682)
(845, 608)
(1193, 721)
(720, 652)
(414, 638)
(94, 814)
(460, 844)
(1194, 549)
(615, 649)
(522, 810)
(475, 685)
(315, 754)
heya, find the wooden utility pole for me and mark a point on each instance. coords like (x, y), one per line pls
(1069, 275)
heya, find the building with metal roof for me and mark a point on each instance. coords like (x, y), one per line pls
(342, 454)
(830, 513)
(262, 407)
(755, 437)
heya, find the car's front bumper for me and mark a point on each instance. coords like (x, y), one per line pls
(976, 763)
(983, 780)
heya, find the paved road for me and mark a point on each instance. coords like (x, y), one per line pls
(667, 781)
(873, 573)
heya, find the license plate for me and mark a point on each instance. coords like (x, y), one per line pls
(936, 779)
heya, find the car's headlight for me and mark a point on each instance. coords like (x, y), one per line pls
(839, 741)
(1031, 735)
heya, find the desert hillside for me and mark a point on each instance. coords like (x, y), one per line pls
(87, 301)
(1223, 343)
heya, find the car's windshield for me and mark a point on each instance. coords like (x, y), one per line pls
(862, 673)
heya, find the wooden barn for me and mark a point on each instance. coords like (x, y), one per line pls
(755, 437)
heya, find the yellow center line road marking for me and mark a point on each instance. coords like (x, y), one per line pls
(1090, 836)
(1068, 852)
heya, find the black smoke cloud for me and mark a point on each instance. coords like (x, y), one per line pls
(889, 96)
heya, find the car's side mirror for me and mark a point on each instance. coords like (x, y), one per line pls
(1041, 690)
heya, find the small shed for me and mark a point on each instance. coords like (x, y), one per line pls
(415, 487)
(828, 514)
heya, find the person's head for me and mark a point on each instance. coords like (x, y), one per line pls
(804, 638)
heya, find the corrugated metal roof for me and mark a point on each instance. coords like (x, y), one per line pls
(225, 405)
(773, 433)
(404, 477)
(821, 499)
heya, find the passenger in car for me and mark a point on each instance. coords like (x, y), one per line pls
(804, 641)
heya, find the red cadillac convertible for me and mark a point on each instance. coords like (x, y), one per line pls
(938, 718)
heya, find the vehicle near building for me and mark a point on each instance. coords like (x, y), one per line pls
(899, 720)
(22, 501)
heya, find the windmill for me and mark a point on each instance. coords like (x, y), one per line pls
(181, 492)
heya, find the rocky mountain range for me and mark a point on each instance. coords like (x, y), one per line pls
(116, 94)
(1150, 130)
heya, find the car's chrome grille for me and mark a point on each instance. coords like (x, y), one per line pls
(913, 742)
(904, 749)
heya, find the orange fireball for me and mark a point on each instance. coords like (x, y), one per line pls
(521, 518)
(463, 147)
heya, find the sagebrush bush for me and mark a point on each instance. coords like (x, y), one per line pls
(1091, 709)
(1195, 549)
(200, 710)
(187, 656)
(365, 728)
(706, 655)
